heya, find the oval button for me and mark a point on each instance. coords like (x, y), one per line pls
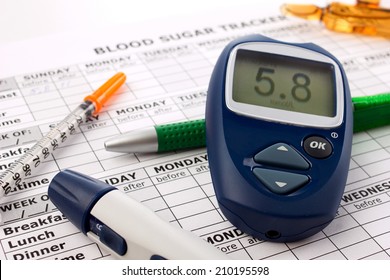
(317, 147)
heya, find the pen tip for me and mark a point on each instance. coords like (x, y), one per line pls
(139, 141)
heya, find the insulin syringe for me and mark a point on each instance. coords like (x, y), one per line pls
(32, 159)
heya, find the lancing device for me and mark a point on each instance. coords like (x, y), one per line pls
(121, 225)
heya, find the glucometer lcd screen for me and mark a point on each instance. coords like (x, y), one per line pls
(284, 82)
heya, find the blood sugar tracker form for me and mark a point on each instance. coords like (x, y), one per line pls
(167, 76)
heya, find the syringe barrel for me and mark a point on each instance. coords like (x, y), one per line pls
(25, 166)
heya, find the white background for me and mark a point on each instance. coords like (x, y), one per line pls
(23, 19)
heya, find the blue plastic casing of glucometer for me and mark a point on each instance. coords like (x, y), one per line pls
(279, 179)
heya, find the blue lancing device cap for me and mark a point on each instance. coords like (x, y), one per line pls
(75, 194)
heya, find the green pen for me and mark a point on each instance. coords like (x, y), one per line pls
(160, 138)
(369, 112)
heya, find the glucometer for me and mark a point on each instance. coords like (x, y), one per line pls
(279, 136)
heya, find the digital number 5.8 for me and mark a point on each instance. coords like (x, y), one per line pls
(266, 86)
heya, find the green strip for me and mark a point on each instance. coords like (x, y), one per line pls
(183, 135)
(371, 111)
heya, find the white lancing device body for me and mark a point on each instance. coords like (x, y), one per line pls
(146, 234)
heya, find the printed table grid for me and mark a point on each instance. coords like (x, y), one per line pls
(158, 77)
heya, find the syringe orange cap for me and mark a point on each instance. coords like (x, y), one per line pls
(103, 93)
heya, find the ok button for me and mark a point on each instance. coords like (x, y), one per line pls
(317, 147)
